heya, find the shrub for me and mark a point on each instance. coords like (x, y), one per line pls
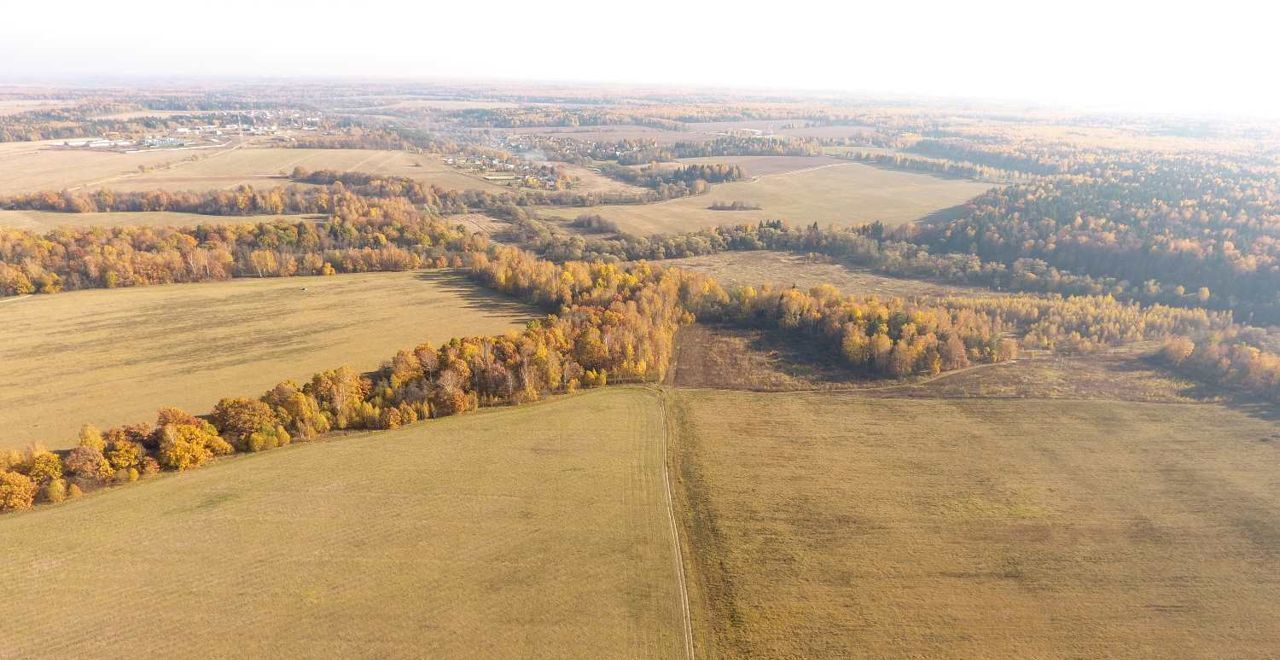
(17, 491)
(91, 437)
(55, 491)
(240, 418)
(267, 438)
(123, 453)
(45, 467)
(10, 460)
(186, 446)
(87, 462)
(171, 415)
(73, 491)
(140, 434)
(300, 412)
(1177, 350)
(594, 378)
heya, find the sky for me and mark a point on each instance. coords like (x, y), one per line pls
(1205, 58)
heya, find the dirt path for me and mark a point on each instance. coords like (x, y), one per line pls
(675, 528)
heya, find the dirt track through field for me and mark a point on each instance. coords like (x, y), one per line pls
(675, 528)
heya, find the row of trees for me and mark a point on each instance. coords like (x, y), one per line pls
(383, 137)
(871, 246)
(900, 338)
(244, 200)
(611, 324)
(1231, 359)
(392, 236)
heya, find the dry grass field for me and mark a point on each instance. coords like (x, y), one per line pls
(35, 166)
(602, 133)
(786, 269)
(265, 167)
(839, 525)
(840, 194)
(594, 182)
(41, 221)
(519, 532)
(754, 166)
(722, 357)
(112, 356)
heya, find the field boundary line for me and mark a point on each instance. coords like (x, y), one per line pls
(675, 528)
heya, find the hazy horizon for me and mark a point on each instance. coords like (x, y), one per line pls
(1096, 56)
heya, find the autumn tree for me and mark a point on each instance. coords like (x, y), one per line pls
(17, 491)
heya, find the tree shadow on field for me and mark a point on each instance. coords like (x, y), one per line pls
(476, 297)
(1237, 400)
(942, 216)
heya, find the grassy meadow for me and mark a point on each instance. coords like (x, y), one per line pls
(111, 356)
(840, 194)
(519, 532)
(839, 525)
(786, 269)
(35, 166)
(266, 167)
(43, 221)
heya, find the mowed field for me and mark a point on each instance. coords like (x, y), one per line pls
(267, 166)
(113, 356)
(35, 166)
(40, 221)
(839, 525)
(782, 268)
(840, 194)
(519, 532)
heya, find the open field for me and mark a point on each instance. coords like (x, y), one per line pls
(838, 525)
(768, 267)
(751, 359)
(594, 182)
(40, 221)
(754, 166)
(602, 133)
(34, 166)
(266, 166)
(17, 106)
(520, 532)
(841, 194)
(112, 356)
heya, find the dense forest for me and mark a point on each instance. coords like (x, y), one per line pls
(1188, 227)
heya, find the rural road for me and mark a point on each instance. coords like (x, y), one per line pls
(675, 528)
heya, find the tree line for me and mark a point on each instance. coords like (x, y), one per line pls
(610, 324)
(384, 237)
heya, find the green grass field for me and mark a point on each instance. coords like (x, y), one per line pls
(112, 356)
(839, 525)
(521, 532)
(840, 194)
